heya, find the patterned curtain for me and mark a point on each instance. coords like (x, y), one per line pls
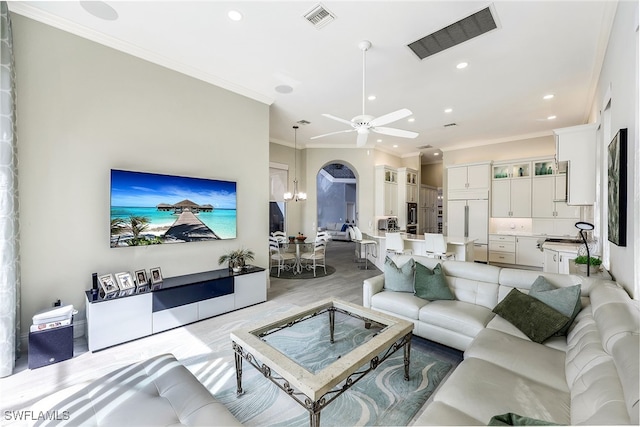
(9, 230)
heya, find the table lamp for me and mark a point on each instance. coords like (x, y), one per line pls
(581, 225)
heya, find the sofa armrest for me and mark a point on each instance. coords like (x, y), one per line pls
(370, 287)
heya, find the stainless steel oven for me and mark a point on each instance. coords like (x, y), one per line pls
(412, 214)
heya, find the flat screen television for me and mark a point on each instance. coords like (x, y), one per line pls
(149, 208)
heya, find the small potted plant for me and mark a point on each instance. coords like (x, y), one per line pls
(594, 263)
(237, 259)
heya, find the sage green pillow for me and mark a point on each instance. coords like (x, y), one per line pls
(534, 318)
(511, 419)
(399, 279)
(565, 300)
(431, 284)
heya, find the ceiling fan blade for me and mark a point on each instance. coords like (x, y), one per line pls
(348, 122)
(332, 133)
(362, 139)
(391, 117)
(395, 132)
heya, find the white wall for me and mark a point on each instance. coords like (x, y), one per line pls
(84, 109)
(619, 83)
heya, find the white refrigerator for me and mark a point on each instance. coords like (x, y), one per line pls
(470, 218)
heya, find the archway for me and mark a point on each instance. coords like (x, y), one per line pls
(336, 186)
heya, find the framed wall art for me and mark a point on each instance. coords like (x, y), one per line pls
(617, 189)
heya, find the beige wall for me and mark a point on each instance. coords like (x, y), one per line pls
(432, 174)
(619, 84)
(519, 149)
(84, 109)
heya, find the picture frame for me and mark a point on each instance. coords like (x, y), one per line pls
(617, 189)
(108, 286)
(141, 278)
(125, 283)
(156, 275)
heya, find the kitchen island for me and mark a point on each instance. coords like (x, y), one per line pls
(462, 247)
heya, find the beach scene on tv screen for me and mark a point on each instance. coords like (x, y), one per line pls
(149, 209)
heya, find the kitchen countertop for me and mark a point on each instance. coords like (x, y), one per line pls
(453, 240)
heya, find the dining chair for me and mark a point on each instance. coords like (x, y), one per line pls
(395, 244)
(280, 235)
(278, 256)
(435, 246)
(317, 258)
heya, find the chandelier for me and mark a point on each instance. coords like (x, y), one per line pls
(297, 195)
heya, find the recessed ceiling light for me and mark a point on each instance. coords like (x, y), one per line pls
(234, 15)
(100, 9)
(412, 119)
(448, 110)
(551, 118)
(284, 89)
(436, 154)
(395, 145)
(371, 97)
(548, 96)
(462, 65)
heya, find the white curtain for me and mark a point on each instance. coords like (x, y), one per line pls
(9, 230)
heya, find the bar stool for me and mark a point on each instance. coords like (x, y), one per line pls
(356, 236)
(395, 244)
(436, 247)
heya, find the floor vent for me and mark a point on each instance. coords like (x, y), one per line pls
(319, 16)
(459, 32)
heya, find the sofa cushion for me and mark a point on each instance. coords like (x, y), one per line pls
(565, 300)
(457, 316)
(482, 389)
(431, 284)
(502, 325)
(403, 303)
(522, 356)
(533, 317)
(399, 279)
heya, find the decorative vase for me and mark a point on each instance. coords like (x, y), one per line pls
(592, 269)
(237, 269)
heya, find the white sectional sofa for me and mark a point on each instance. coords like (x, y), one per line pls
(590, 376)
(156, 392)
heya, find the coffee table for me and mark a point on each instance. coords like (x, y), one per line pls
(315, 388)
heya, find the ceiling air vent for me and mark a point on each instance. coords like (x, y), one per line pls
(448, 125)
(303, 122)
(424, 147)
(319, 16)
(459, 32)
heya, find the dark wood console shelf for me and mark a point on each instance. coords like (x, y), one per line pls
(178, 301)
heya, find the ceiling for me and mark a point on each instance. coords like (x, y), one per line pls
(538, 48)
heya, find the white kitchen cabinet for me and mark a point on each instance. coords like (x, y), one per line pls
(386, 191)
(511, 198)
(468, 181)
(527, 252)
(548, 195)
(557, 261)
(577, 146)
(502, 249)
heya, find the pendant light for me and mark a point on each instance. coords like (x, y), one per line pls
(297, 195)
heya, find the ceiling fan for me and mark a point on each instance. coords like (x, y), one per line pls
(364, 124)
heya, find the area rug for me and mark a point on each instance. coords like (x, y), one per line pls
(382, 397)
(305, 274)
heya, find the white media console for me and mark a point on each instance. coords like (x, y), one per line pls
(180, 300)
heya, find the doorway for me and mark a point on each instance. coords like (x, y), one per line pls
(336, 189)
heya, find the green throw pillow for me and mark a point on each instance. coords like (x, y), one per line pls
(511, 419)
(431, 284)
(534, 318)
(565, 300)
(399, 279)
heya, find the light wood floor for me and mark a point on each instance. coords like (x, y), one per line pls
(26, 386)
